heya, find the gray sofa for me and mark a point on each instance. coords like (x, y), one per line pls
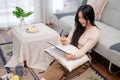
(110, 33)
(109, 24)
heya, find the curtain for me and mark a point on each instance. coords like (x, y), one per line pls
(46, 11)
(7, 6)
(49, 8)
(58, 6)
(43, 11)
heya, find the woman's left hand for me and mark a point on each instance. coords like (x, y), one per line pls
(70, 56)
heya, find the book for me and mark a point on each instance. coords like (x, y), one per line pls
(57, 51)
(56, 46)
(65, 48)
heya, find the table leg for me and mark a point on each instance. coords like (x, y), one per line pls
(25, 64)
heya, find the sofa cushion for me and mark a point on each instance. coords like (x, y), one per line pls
(109, 36)
(98, 7)
(59, 56)
(111, 13)
(67, 23)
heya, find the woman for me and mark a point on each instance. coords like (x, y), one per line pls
(84, 35)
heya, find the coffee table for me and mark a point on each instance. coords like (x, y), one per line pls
(30, 47)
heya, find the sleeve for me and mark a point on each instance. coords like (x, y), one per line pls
(88, 46)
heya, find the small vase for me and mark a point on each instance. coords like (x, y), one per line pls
(22, 23)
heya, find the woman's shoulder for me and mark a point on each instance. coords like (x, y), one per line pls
(94, 31)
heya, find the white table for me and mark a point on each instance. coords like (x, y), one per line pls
(31, 46)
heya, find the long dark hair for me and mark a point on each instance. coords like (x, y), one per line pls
(88, 14)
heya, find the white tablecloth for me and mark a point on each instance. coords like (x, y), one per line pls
(31, 46)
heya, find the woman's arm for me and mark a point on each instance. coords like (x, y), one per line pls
(92, 40)
(93, 37)
(86, 48)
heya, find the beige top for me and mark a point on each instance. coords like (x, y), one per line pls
(86, 42)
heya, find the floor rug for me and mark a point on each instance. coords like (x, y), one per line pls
(90, 74)
(35, 74)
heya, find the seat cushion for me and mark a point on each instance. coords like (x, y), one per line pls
(111, 13)
(58, 53)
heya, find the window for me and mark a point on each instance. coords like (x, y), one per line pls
(70, 5)
(60, 6)
(7, 6)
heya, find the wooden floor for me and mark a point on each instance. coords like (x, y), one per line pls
(100, 65)
(105, 72)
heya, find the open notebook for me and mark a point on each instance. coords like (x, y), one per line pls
(66, 48)
(57, 51)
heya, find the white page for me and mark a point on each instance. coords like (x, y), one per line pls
(66, 48)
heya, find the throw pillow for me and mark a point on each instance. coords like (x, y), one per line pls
(68, 64)
(98, 7)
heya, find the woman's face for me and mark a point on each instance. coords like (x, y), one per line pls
(81, 19)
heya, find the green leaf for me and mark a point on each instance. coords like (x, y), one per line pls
(27, 14)
(20, 13)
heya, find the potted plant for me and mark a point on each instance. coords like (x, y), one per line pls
(20, 13)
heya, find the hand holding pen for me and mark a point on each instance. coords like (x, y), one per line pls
(63, 39)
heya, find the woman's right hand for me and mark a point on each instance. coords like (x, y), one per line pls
(63, 40)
